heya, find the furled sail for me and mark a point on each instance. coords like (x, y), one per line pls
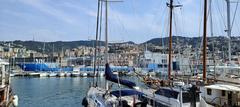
(111, 77)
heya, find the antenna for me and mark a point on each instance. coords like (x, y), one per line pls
(33, 38)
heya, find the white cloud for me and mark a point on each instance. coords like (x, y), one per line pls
(80, 8)
(50, 10)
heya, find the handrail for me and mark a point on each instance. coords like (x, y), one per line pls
(220, 99)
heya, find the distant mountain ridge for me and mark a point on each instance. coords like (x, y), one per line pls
(220, 43)
(57, 46)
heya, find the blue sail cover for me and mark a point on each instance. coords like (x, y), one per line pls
(125, 93)
(111, 77)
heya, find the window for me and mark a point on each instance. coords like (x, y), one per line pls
(188, 97)
(164, 61)
(209, 91)
(223, 92)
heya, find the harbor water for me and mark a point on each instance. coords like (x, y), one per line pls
(53, 92)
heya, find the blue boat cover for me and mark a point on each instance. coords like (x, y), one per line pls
(167, 93)
(125, 93)
(41, 67)
(111, 77)
(152, 66)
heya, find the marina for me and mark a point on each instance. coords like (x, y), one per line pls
(118, 53)
(49, 92)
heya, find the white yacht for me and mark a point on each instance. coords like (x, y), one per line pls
(67, 74)
(75, 74)
(52, 74)
(34, 74)
(84, 74)
(171, 97)
(221, 94)
(43, 74)
(61, 74)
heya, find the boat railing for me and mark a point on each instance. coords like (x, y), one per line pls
(229, 80)
(221, 101)
(203, 103)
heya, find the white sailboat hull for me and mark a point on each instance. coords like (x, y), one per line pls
(43, 74)
(52, 74)
(61, 74)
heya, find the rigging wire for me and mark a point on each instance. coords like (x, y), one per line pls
(166, 30)
(198, 46)
(182, 21)
(238, 28)
(221, 14)
(175, 19)
(175, 23)
(134, 8)
(120, 22)
(163, 30)
(234, 15)
(212, 34)
(155, 16)
(218, 19)
(178, 29)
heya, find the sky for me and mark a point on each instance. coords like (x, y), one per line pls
(130, 20)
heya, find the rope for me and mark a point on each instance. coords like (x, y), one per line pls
(199, 36)
(120, 22)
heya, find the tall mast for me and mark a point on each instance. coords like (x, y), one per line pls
(106, 31)
(96, 41)
(170, 41)
(205, 40)
(171, 6)
(106, 38)
(229, 30)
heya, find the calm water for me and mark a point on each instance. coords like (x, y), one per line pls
(52, 92)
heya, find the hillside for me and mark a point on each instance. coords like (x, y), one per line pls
(220, 43)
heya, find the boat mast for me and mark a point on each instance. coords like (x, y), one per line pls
(170, 41)
(229, 30)
(171, 6)
(106, 31)
(95, 44)
(106, 37)
(204, 40)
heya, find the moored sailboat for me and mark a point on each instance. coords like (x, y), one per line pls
(215, 91)
(7, 96)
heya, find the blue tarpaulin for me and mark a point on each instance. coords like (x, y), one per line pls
(42, 67)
